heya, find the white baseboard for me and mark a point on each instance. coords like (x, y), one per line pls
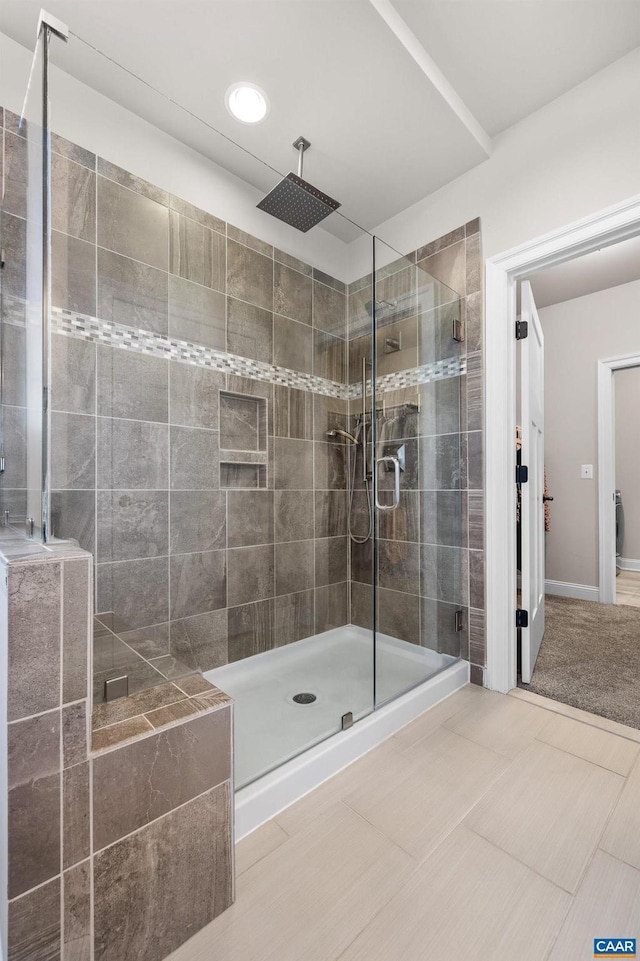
(628, 564)
(582, 592)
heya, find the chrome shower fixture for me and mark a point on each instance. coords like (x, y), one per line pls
(297, 202)
(339, 432)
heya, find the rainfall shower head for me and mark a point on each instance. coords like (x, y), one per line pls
(339, 432)
(296, 202)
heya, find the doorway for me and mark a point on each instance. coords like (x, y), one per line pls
(503, 273)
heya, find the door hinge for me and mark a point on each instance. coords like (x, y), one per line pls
(522, 618)
(522, 474)
(457, 332)
(458, 621)
(522, 329)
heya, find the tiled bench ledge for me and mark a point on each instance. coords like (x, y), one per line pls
(128, 718)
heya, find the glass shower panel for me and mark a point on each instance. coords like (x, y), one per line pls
(204, 455)
(24, 293)
(419, 552)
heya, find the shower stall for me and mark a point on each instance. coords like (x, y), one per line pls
(257, 432)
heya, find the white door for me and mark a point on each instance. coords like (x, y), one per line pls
(532, 508)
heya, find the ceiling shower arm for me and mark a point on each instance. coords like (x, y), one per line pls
(301, 144)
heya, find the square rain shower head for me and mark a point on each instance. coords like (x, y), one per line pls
(298, 203)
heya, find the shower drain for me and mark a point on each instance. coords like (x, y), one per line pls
(304, 698)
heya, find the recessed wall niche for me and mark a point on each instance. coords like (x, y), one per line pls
(243, 441)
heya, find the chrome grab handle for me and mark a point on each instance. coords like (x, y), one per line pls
(390, 459)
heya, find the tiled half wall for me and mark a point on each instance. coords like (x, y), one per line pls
(113, 855)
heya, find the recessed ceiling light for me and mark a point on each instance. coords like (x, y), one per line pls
(246, 102)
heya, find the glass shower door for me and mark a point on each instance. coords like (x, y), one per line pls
(418, 555)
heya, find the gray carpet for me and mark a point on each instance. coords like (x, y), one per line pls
(590, 658)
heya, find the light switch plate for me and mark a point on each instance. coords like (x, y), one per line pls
(586, 471)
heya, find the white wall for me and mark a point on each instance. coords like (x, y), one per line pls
(577, 155)
(577, 334)
(627, 401)
(104, 127)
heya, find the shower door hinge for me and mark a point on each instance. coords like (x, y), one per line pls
(522, 618)
(522, 329)
(458, 621)
(2, 464)
(2, 259)
(347, 720)
(522, 474)
(458, 331)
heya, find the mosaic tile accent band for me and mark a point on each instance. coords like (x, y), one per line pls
(84, 327)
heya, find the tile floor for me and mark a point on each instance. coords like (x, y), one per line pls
(628, 588)
(492, 827)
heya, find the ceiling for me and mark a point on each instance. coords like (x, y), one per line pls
(608, 267)
(382, 135)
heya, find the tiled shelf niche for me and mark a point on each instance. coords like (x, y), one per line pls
(243, 441)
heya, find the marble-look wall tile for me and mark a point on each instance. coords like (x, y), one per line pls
(75, 818)
(250, 518)
(293, 464)
(195, 456)
(140, 880)
(193, 395)
(34, 800)
(441, 518)
(474, 322)
(119, 176)
(293, 413)
(195, 213)
(331, 558)
(443, 573)
(198, 583)
(75, 628)
(132, 293)
(453, 237)
(440, 463)
(132, 385)
(294, 516)
(332, 461)
(198, 521)
(15, 447)
(248, 240)
(477, 642)
(403, 524)
(196, 313)
(74, 733)
(249, 331)
(289, 261)
(73, 364)
(362, 605)
(73, 515)
(73, 198)
(292, 293)
(73, 273)
(437, 628)
(15, 175)
(292, 345)
(132, 524)
(448, 266)
(34, 639)
(399, 566)
(136, 591)
(117, 469)
(294, 618)
(132, 224)
(476, 520)
(331, 607)
(14, 236)
(440, 407)
(195, 252)
(249, 275)
(73, 151)
(201, 641)
(250, 629)
(15, 362)
(399, 615)
(476, 579)
(294, 566)
(161, 772)
(250, 574)
(330, 281)
(330, 513)
(34, 925)
(329, 309)
(77, 912)
(73, 452)
(474, 263)
(475, 460)
(329, 356)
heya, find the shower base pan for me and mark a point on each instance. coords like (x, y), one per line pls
(287, 745)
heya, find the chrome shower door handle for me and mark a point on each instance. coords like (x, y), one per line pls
(390, 459)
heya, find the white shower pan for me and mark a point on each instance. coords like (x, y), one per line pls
(284, 749)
